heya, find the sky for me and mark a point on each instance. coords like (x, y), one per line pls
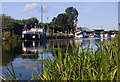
(93, 15)
(119, 15)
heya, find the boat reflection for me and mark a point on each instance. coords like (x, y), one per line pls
(29, 55)
(37, 49)
(33, 47)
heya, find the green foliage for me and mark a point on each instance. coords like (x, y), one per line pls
(10, 49)
(102, 64)
(66, 20)
(10, 74)
(6, 35)
(85, 64)
(72, 14)
(30, 22)
(61, 20)
(14, 27)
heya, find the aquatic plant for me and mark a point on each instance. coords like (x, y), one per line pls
(10, 75)
(102, 64)
(85, 64)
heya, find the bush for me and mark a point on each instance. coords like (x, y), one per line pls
(6, 35)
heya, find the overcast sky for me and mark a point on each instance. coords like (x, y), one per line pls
(93, 15)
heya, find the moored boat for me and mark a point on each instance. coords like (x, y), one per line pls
(33, 34)
(113, 35)
(79, 33)
(101, 35)
(91, 35)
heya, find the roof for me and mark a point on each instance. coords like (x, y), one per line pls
(84, 29)
(28, 32)
(98, 29)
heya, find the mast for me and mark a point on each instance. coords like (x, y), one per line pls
(43, 28)
(41, 16)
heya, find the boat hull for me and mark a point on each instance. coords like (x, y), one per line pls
(34, 37)
(79, 36)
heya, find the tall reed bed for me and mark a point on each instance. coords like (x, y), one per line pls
(85, 64)
(103, 64)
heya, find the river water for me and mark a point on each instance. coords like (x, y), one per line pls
(26, 56)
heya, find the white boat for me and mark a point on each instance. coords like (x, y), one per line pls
(85, 35)
(106, 35)
(91, 35)
(101, 35)
(33, 34)
(79, 33)
(113, 35)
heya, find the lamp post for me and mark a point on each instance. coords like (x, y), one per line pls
(35, 25)
(41, 16)
(47, 25)
(31, 25)
(53, 26)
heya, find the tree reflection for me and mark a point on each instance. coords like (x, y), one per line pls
(10, 50)
(33, 49)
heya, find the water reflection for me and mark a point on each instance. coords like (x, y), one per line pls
(29, 54)
(10, 50)
(34, 49)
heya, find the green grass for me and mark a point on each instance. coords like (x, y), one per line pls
(102, 64)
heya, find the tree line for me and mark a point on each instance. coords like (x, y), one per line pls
(12, 28)
(68, 20)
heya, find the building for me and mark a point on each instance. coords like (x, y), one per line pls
(98, 31)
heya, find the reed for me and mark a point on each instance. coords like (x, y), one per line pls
(10, 75)
(85, 64)
(102, 64)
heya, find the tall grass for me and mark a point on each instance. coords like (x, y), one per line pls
(102, 64)
(10, 75)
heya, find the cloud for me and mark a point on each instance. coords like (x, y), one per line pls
(30, 7)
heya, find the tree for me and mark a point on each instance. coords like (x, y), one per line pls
(12, 27)
(72, 14)
(30, 22)
(61, 20)
(54, 22)
(67, 20)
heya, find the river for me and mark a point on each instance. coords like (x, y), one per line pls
(26, 56)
